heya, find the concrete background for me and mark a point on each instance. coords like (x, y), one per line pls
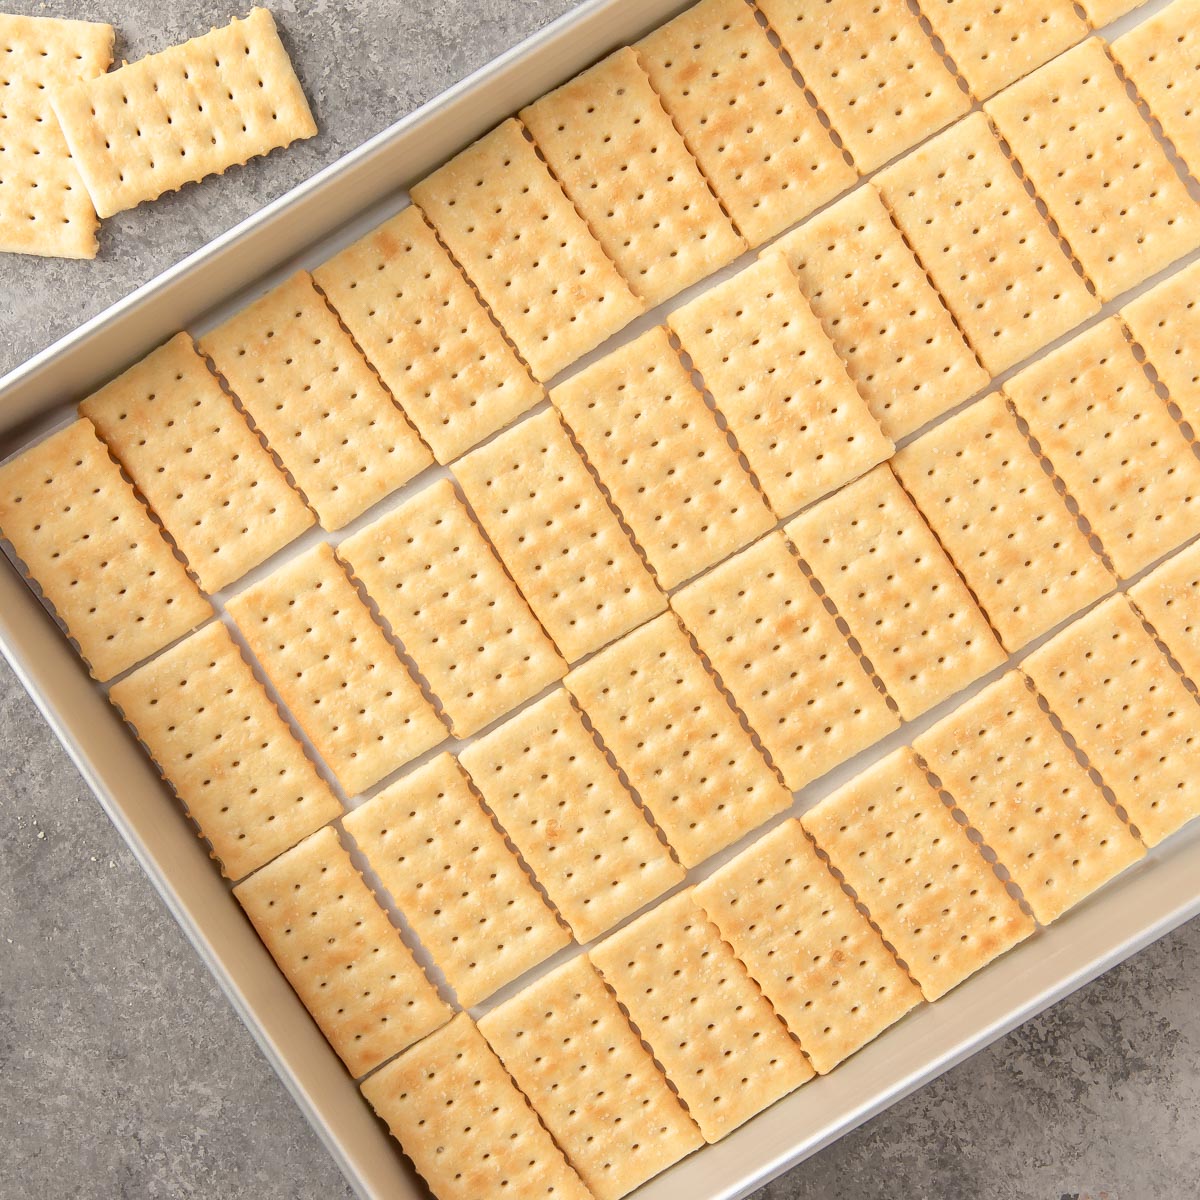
(124, 1073)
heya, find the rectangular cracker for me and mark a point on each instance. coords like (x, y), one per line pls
(1115, 445)
(461, 1120)
(1103, 12)
(184, 113)
(780, 384)
(621, 161)
(785, 662)
(1169, 598)
(570, 1049)
(980, 236)
(44, 207)
(205, 474)
(91, 547)
(900, 345)
(455, 880)
(824, 969)
(672, 472)
(1004, 764)
(1118, 696)
(558, 536)
(335, 669)
(522, 244)
(569, 815)
(702, 1015)
(677, 739)
(873, 71)
(993, 42)
(321, 408)
(424, 330)
(340, 952)
(926, 885)
(997, 513)
(1165, 322)
(893, 584)
(221, 744)
(1107, 182)
(744, 116)
(443, 592)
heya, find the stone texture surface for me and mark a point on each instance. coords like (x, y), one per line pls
(123, 1071)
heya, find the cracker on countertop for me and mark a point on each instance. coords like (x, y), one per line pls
(784, 660)
(221, 744)
(569, 815)
(571, 1050)
(184, 113)
(670, 469)
(926, 885)
(558, 536)
(676, 737)
(521, 242)
(778, 381)
(345, 959)
(826, 972)
(744, 116)
(44, 207)
(1001, 270)
(1169, 598)
(205, 474)
(621, 161)
(998, 515)
(321, 408)
(89, 544)
(452, 875)
(447, 599)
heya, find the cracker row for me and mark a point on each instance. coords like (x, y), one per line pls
(1169, 598)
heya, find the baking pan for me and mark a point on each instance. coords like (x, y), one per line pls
(301, 229)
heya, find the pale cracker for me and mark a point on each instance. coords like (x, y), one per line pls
(221, 744)
(1106, 181)
(876, 304)
(993, 42)
(1102, 12)
(441, 589)
(558, 536)
(455, 880)
(320, 406)
(89, 544)
(461, 1120)
(1113, 442)
(1165, 322)
(569, 815)
(530, 254)
(44, 207)
(780, 384)
(672, 472)
(424, 330)
(824, 969)
(1008, 769)
(335, 670)
(184, 113)
(1169, 598)
(926, 885)
(980, 236)
(744, 116)
(897, 590)
(571, 1050)
(702, 1015)
(785, 662)
(205, 474)
(1117, 695)
(340, 952)
(678, 740)
(622, 162)
(997, 513)
(873, 71)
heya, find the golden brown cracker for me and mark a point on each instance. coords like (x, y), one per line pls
(1169, 598)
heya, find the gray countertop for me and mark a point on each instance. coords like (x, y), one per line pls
(123, 1071)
